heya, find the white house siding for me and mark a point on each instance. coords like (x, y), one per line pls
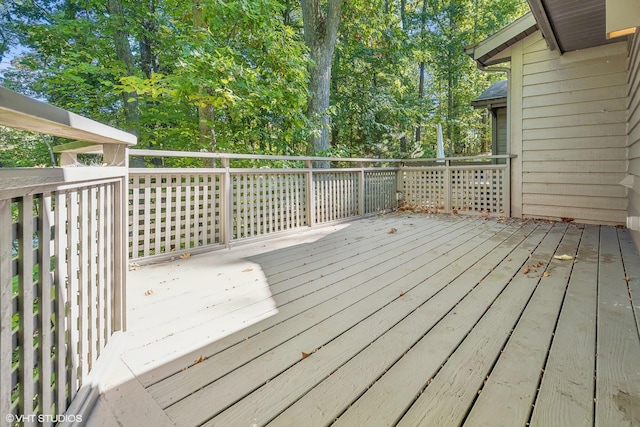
(573, 149)
(633, 129)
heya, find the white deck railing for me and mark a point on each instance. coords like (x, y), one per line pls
(460, 187)
(62, 269)
(173, 211)
(64, 246)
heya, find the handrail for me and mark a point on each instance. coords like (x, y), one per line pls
(207, 155)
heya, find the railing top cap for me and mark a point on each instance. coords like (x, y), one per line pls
(20, 112)
(206, 155)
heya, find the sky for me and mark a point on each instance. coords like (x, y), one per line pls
(8, 57)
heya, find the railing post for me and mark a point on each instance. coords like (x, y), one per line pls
(310, 192)
(226, 200)
(118, 155)
(447, 185)
(115, 155)
(506, 191)
(361, 189)
(400, 184)
(121, 253)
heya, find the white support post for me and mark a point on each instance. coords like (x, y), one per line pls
(115, 155)
(361, 189)
(400, 190)
(506, 190)
(447, 186)
(68, 159)
(120, 253)
(226, 201)
(310, 202)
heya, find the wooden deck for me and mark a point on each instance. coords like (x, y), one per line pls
(404, 319)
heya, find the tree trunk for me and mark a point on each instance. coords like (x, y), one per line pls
(149, 58)
(123, 52)
(423, 31)
(320, 35)
(206, 131)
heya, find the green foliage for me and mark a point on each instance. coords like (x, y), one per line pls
(244, 63)
(24, 149)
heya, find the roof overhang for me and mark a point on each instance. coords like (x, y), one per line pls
(566, 25)
(20, 112)
(494, 97)
(487, 52)
(569, 25)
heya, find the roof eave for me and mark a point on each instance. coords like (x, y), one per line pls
(490, 103)
(544, 24)
(485, 52)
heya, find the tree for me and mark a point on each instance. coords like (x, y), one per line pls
(320, 35)
(261, 76)
(170, 69)
(124, 54)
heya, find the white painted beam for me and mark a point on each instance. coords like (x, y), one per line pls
(20, 112)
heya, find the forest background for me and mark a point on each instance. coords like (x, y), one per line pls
(242, 76)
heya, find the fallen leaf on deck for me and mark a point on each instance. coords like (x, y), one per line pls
(185, 256)
(200, 359)
(563, 257)
(526, 270)
(148, 292)
(248, 269)
(305, 355)
(545, 274)
(392, 230)
(567, 219)
(626, 278)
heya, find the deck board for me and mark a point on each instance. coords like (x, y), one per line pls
(514, 379)
(567, 389)
(404, 316)
(325, 295)
(369, 317)
(617, 362)
(430, 324)
(447, 398)
(449, 308)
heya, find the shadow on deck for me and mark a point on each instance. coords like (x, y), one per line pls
(404, 319)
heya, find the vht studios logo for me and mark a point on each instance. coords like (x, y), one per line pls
(42, 418)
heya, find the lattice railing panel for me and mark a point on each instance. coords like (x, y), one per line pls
(380, 191)
(425, 187)
(266, 203)
(170, 211)
(336, 195)
(477, 190)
